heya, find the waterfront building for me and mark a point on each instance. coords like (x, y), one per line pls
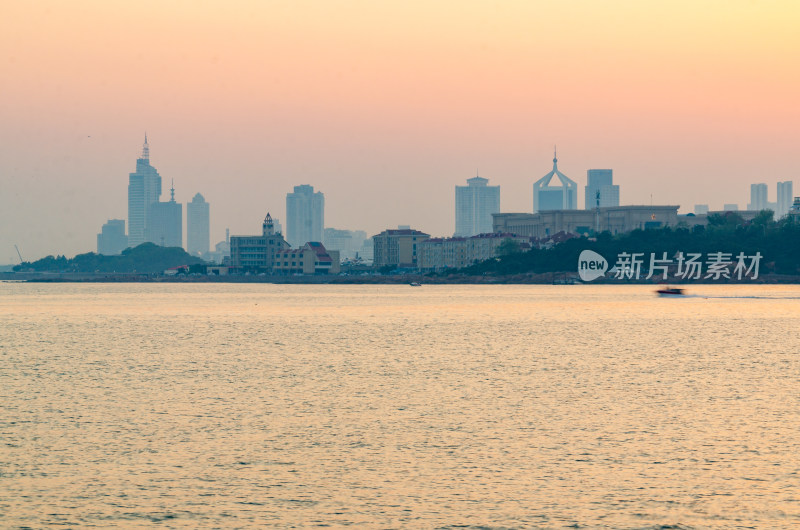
(784, 203)
(112, 239)
(397, 247)
(305, 215)
(475, 204)
(459, 252)
(165, 223)
(144, 189)
(311, 258)
(197, 226)
(563, 196)
(617, 220)
(758, 197)
(600, 189)
(257, 254)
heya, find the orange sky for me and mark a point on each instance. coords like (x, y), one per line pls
(384, 106)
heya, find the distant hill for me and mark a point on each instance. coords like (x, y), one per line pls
(146, 258)
(6, 268)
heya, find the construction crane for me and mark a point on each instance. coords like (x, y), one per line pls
(18, 254)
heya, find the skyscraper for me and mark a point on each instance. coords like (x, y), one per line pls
(784, 198)
(562, 197)
(112, 240)
(305, 215)
(758, 197)
(165, 223)
(144, 189)
(600, 187)
(197, 225)
(475, 204)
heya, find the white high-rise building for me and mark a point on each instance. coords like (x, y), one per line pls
(197, 226)
(758, 197)
(305, 216)
(600, 189)
(784, 199)
(475, 204)
(144, 189)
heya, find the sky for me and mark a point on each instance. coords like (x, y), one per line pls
(384, 106)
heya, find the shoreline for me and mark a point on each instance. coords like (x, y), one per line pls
(556, 278)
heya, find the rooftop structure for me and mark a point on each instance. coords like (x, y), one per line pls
(561, 197)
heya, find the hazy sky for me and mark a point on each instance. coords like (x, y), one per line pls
(384, 106)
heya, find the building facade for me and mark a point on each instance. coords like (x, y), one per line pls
(475, 204)
(758, 197)
(600, 189)
(459, 252)
(112, 239)
(257, 254)
(305, 215)
(784, 203)
(197, 226)
(144, 189)
(616, 220)
(312, 258)
(561, 197)
(165, 223)
(397, 247)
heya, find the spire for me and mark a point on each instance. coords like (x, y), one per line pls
(172, 191)
(145, 149)
(555, 157)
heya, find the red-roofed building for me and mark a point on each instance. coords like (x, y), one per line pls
(312, 258)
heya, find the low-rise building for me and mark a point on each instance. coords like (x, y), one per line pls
(257, 254)
(616, 219)
(311, 258)
(397, 247)
(459, 252)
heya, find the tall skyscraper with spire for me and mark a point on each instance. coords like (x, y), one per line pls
(144, 190)
(561, 197)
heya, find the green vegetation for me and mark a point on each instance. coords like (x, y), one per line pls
(778, 242)
(146, 258)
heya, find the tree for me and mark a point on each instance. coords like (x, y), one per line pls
(508, 247)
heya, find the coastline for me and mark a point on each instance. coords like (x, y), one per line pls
(548, 278)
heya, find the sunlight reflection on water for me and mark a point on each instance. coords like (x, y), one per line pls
(502, 406)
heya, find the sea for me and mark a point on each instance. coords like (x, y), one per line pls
(390, 406)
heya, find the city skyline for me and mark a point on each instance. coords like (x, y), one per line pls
(385, 107)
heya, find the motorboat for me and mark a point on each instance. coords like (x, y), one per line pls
(670, 291)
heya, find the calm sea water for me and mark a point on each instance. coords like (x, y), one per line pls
(393, 406)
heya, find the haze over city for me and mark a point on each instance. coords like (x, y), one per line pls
(384, 107)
